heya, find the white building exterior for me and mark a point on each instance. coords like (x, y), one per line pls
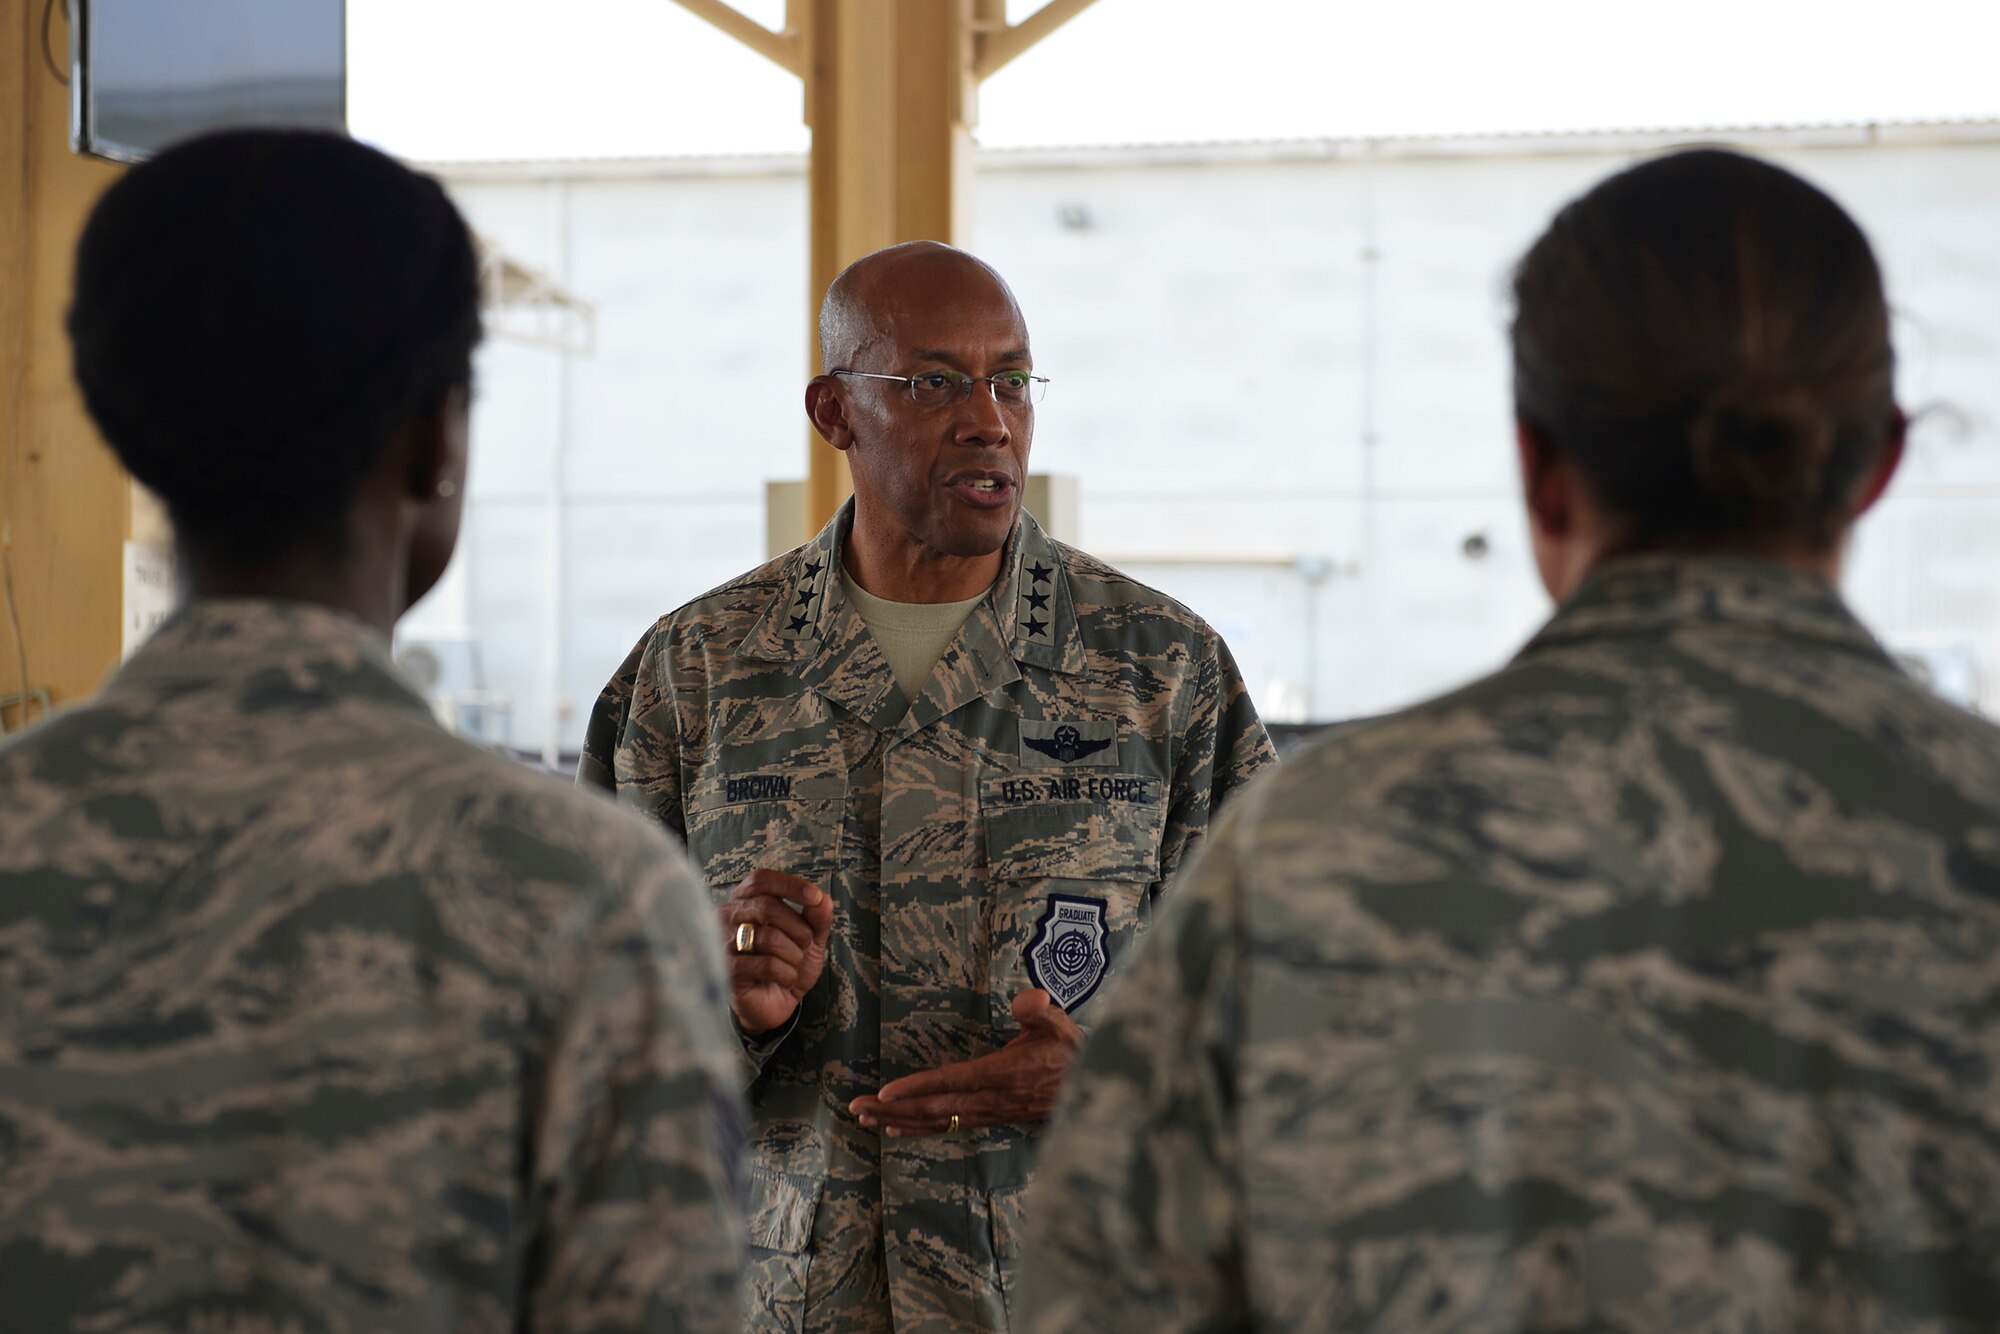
(1279, 378)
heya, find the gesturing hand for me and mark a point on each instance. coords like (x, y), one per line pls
(787, 949)
(1016, 1085)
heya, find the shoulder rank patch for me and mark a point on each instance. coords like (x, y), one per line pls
(1067, 957)
(1092, 742)
(1037, 583)
(799, 617)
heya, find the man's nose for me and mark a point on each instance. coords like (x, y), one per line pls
(981, 418)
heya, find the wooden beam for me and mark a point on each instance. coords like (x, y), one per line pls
(890, 99)
(891, 93)
(66, 508)
(999, 48)
(780, 48)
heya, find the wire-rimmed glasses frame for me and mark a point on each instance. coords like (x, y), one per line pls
(937, 389)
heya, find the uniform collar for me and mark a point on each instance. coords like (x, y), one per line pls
(1656, 596)
(295, 648)
(1027, 617)
(1032, 601)
(1033, 617)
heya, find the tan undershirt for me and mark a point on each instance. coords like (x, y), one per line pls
(913, 635)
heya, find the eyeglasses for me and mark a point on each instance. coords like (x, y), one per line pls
(939, 389)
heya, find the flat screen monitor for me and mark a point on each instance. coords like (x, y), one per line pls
(148, 72)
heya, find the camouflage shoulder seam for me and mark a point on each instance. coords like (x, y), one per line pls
(1325, 746)
(1081, 563)
(765, 578)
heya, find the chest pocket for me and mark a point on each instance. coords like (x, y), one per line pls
(1071, 862)
(767, 821)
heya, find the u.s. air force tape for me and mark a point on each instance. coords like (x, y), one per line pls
(1104, 789)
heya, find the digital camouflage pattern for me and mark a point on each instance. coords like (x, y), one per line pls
(1650, 984)
(1073, 741)
(316, 1018)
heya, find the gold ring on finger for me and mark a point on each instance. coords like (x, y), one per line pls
(746, 937)
(952, 1129)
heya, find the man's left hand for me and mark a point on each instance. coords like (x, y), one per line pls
(1016, 1085)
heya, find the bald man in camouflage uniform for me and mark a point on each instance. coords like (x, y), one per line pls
(991, 833)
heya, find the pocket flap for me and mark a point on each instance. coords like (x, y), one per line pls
(781, 1210)
(797, 837)
(1101, 826)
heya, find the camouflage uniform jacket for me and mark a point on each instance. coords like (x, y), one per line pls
(1650, 984)
(315, 1017)
(1064, 756)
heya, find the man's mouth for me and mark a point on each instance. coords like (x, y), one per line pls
(986, 492)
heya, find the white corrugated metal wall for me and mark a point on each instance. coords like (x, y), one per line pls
(1279, 376)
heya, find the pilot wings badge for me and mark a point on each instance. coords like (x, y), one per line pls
(1066, 743)
(1067, 957)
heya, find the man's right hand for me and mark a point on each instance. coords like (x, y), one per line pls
(787, 951)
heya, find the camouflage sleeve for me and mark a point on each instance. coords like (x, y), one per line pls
(632, 749)
(598, 766)
(639, 1131)
(631, 746)
(1134, 1217)
(1223, 744)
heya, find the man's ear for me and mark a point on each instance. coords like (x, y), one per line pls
(1884, 470)
(436, 441)
(826, 411)
(1545, 483)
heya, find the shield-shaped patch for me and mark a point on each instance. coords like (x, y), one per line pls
(1067, 957)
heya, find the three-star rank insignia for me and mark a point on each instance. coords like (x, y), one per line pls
(801, 616)
(1037, 590)
(1067, 957)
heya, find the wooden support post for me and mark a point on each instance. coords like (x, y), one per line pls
(66, 508)
(892, 97)
(889, 97)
